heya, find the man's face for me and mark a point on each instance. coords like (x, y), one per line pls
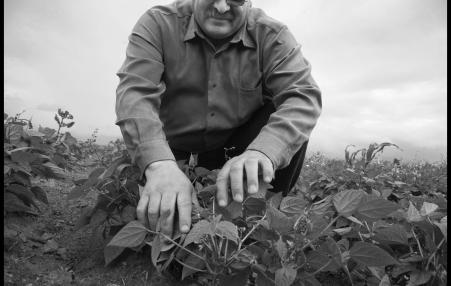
(218, 19)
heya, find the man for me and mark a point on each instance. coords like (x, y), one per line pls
(196, 73)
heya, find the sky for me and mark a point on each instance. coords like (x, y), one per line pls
(381, 66)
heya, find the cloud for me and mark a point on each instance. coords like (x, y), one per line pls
(51, 107)
(381, 64)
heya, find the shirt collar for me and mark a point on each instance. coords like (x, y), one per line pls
(240, 36)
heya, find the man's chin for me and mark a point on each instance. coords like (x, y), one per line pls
(218, 29)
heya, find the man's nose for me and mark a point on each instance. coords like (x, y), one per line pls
(221, 6)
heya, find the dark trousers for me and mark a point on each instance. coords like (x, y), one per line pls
(284, 179)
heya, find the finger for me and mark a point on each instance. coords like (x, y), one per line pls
(141, 210)
(222, 184)
(184, 210)
(153, 210)
(236, 181)
(267, 170)
(167, 209)
(251, 167)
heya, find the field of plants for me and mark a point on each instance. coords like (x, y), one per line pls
(69, 219)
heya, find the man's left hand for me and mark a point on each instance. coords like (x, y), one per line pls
(233, 173)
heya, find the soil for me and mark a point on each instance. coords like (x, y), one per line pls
(46, 250)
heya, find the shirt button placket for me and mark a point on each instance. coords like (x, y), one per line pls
(211, 91)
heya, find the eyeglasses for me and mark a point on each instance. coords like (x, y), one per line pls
(235, 3)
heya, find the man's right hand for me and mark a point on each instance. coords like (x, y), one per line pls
(166, 188)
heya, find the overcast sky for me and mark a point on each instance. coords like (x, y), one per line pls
(381, 65)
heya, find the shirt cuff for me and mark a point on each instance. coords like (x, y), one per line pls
(272, 147)
(152, 151)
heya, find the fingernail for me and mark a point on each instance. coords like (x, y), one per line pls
(185, 228)
(252, 189)
(222, 203)
(238, 198)
(267, 179)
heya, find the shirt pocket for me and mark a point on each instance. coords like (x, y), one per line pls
(249, 101)
(250, 86)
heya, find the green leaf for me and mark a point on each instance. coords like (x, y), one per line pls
(231, 211)
(192, 263)
(419, 278)
(98, 217)
(262, 280)
(131, 235)
(332, 250)
(23, 157)
(207, 193)
(286, 275)
(201, 171)
(22, 178)
(316, 259)
(84, 218)
(369, 254)
(323, 207)
(96, 173)
(254, 206)
(57, 119)
(281, 248)
(111, 252)
(11, 203)
(443, 226)
(128, 214)
(307, 280)
(377, 271)
(156, 249)
(111, 169)
(77, 192)
(348, 201)
(263, 188)
(385, 281)
(428, 208)
(263, 232)
(228, 230)
(50, 170)
(23, 193)
(279, 221)
(40, 194)
(394, 234)
(293, 205)
(275, 200)
(413, 215)
(239, 279)
(319, 224)
(201, 228)
(373, 208)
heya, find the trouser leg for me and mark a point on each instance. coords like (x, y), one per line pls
(284, 179)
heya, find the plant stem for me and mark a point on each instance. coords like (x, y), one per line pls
(189, 266)
(240, 244)
(176, 243)
(418, 242)
(432, 256)
(320, 269)
(328, 226)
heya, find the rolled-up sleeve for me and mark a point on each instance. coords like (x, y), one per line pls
(295, 94)
(138, 95)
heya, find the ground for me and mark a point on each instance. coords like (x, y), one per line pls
(46, 250)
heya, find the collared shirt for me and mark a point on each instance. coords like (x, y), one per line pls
(178, 91)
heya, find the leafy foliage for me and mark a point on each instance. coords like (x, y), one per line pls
(29, 153)
(364, 222)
